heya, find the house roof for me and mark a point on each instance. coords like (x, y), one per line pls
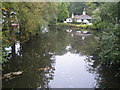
(83, 17)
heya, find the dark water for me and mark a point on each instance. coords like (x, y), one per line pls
(66, 54)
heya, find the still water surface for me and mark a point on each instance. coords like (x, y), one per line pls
(71, 72)
(66, 55)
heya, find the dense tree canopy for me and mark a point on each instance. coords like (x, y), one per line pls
(76, 7)
(108, 22)
(63, 12)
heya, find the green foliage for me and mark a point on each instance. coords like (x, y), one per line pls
(36, 14)
(32, 15)
(105, 14)
(76, 7)
(90, 7)
(109, 46)
(109, 12)
(102, 25)
(63, 12)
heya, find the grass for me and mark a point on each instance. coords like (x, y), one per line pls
(82, 26)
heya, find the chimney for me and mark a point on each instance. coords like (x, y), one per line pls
(84, 12)
(72, 15)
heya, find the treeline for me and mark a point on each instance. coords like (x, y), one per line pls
(108, 21)
(30, 16)
(110, 37)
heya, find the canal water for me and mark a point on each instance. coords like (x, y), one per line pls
(57, 58)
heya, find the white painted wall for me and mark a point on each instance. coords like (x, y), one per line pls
(86, 21)
(68, 20)
(78, 20)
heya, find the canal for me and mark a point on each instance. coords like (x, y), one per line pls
(57, 58)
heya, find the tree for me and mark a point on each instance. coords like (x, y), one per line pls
(90, 7)
(63, 12)
(109, 45)
(32, 15)
(76, 7)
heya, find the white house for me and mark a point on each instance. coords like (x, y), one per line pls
(84, 18)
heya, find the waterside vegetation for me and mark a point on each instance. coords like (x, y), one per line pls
(73, 25)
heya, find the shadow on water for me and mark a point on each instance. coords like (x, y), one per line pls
(58, 58)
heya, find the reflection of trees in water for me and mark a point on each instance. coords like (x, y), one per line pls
(84, 47)
(59, 40)
(35, 54)
(106, 76)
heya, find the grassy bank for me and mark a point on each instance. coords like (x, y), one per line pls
(81, 26)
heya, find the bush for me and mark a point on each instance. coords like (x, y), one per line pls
(110, 45)
(102, 25)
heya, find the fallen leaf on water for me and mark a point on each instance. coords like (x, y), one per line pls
(43, 68)
(17, 73)
(11, 74)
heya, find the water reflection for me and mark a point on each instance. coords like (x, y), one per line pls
(17, 48)
(106, 77)
(71, 72)
(64, 53)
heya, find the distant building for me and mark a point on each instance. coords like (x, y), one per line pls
(84, 18)
(69, 20)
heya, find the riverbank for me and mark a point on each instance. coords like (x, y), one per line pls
(80, 26)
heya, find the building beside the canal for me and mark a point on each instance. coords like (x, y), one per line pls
(84, 18)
